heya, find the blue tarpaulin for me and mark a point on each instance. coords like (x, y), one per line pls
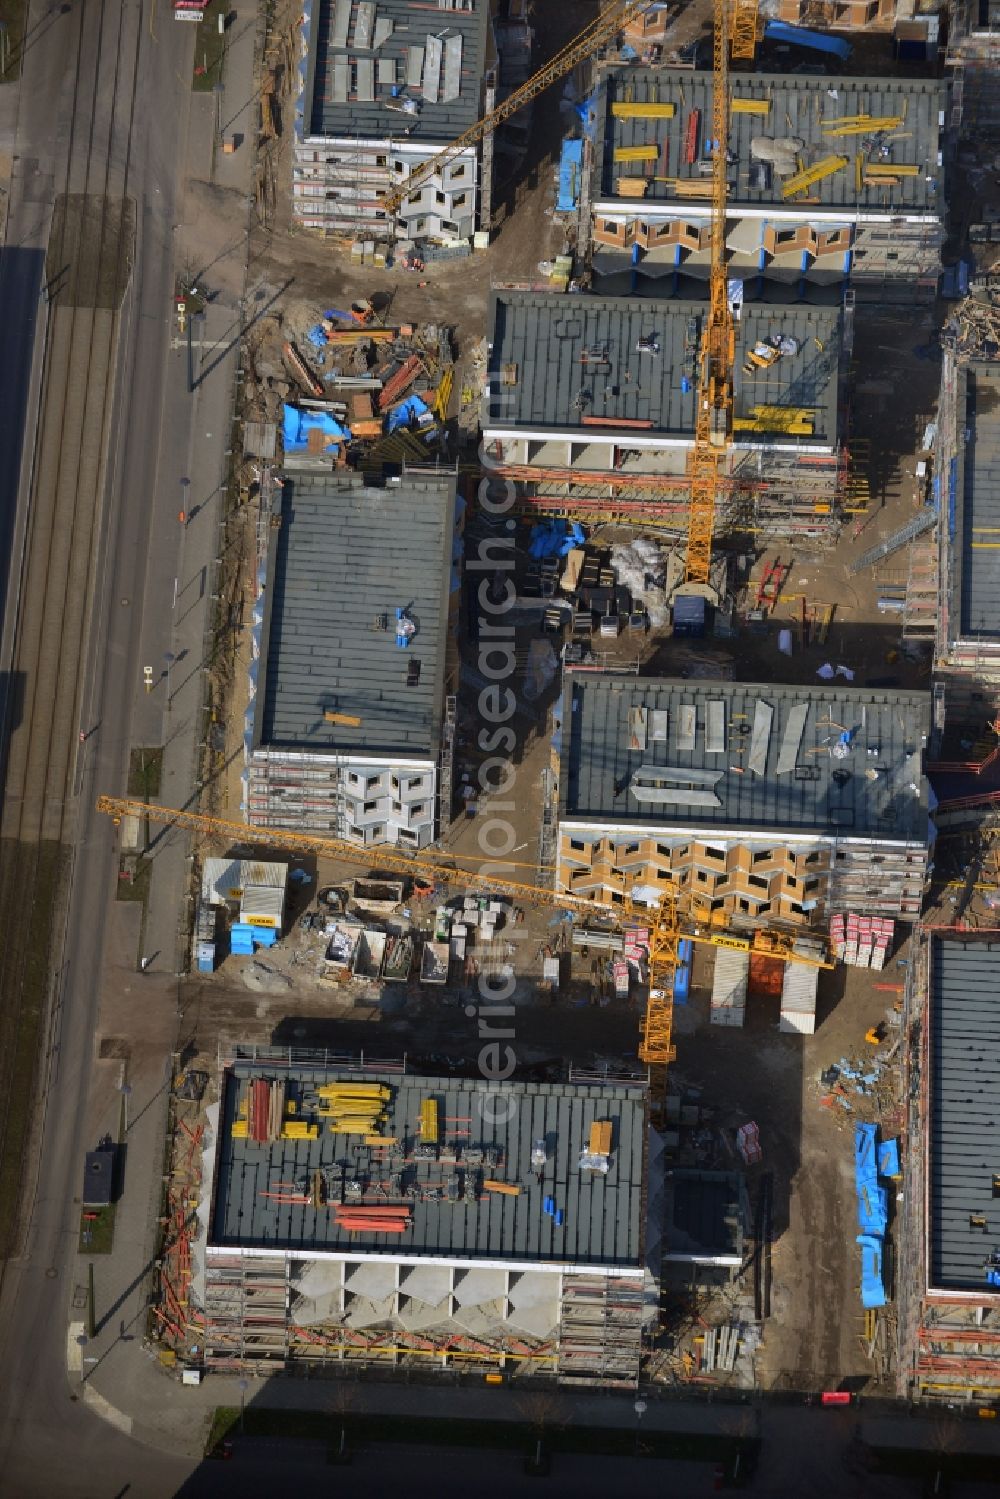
(888, 1158)
(406, 413)
(588, 111)
(317, 336)
(872, 1289)
(801, 36)
(872, 1203)
(554, 538)
(298, 424)
(570, 175)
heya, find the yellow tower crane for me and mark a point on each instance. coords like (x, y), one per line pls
(663, 921)
(714, 418)
(583, 46)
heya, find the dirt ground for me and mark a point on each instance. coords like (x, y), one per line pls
(812, 1339)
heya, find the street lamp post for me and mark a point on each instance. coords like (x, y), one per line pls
(125, 1089)
(640, 1410)
(244, 1386)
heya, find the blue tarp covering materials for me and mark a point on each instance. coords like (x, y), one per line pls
(872, 1206)
(872, 1289)
(554, 538)
(243, 938)
(872, 1160)
(888, 1158)
(406, 413)
(317, 336)
(570, 175)
(298, 424)
(588, 112)
(682, 974)
(801, 36)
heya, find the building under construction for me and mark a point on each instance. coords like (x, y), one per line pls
(763, 804)
(969, 446)
(591, 405)
(826, 186)
(387, 84)
(949, 1273)
(351, 715)
(359, 1217)
(914, 27)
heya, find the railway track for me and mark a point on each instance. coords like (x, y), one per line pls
(88, 265)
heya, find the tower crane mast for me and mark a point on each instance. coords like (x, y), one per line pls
(714, 418)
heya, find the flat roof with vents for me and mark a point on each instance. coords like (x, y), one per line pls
(975, 523)
(346, 555)
(602, 1212)
(741, 755)
(963, 1124)
(363, 52)
(579, 365)
(801, 108)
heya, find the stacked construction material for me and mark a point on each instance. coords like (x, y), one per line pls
(748, 1143)
(862, 941)
(798, 999)
(729, 987)
(429, 1121)
(265, 1110)
(357, 1219)
(353, 1108)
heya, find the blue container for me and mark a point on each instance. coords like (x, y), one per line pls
(559, 1218)
(549, 1206)
(689, 616)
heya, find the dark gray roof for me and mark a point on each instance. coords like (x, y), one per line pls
(346, 553)
(603, 1215)
(545, 335)
(800, 106)
(705, 1213)
(811, 796)
(964, 1122)
(350, 78)
(976, 534)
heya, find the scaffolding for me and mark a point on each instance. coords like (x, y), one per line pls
(246, 1313)
(446, 789)
(949, 1346)
(600, 1330)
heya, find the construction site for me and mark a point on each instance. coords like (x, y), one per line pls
(679, 393)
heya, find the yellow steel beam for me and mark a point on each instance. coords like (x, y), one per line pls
(862, 124)
(636, 153)
(809, 175)
(622, 110)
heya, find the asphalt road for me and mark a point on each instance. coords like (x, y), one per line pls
(82, 61)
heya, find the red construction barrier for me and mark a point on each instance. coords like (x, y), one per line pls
(835, 1397)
